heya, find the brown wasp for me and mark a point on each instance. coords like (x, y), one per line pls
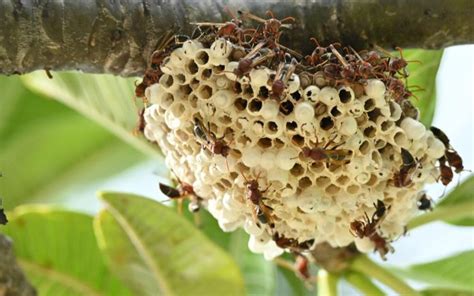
(302, 267)
(291, 244)
(364, 68)
(395, 65)
(446, 173)
(231, 30)
(209, 140)
(153, 73)
(271, 27)
(262, 213)
(184, 190)
(397, 89)
(140, 125)
(317, 55)
(251, 60)
(281, 79)
(403, 177)
(368, 228)
(455, 161)
(451, 155)
(333, 155)
(347, 72)
(372, 57)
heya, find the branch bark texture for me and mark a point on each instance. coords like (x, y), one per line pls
(117, 36)
(12, 280)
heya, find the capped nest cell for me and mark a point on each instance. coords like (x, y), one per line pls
(296, 151)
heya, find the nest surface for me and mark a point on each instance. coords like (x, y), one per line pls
(324, 152)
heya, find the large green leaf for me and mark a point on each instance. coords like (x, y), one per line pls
(461, 195)
(106, 99)
(58, 251)
(46, 148)
(455, 272)
(141, 236)
(424, 75)
(259, 274)
(444, 292)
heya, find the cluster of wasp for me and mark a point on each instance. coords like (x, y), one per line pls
(333, 65)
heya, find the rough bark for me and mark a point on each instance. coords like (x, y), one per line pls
(12, 280)
(117, 36)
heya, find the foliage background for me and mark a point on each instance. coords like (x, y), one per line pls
(50, 154)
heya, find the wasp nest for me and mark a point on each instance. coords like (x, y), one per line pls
(294, 156)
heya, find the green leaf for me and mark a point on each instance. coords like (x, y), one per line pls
(106, 99)
(259, 274)
(140, 235)
(58, 251)
(287, 283)
(453, 272)
(208, 225)
(424, 75)
(444, 292)
(46, 148)
(462, 194)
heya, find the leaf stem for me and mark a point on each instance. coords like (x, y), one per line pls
(327, 283)
(366, 266)
(284, 263)
(461, 210)
(363, 283)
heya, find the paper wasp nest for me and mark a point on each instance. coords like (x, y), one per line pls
(361, 131)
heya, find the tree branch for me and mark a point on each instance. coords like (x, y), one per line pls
(12, 280)
(107, 36)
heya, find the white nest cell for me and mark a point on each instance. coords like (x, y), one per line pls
(322, 156)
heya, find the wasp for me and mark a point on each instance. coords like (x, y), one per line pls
(153, 73)
(403, 177)
(209, 140)
(251, 60)
(368, 228)
(424, 203)
(396, 65)
(446, 173)
(397, 89)
(454, 161)
(281, 79)
(291, 244)
(450, 155)
(380, 210)
(231, 30)
(184, 190)
(271, 27)
(302, 267)
(317, 55)
(262, 212)
(323, 154)
(364, 68)
(140, 125)
(347, 72)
